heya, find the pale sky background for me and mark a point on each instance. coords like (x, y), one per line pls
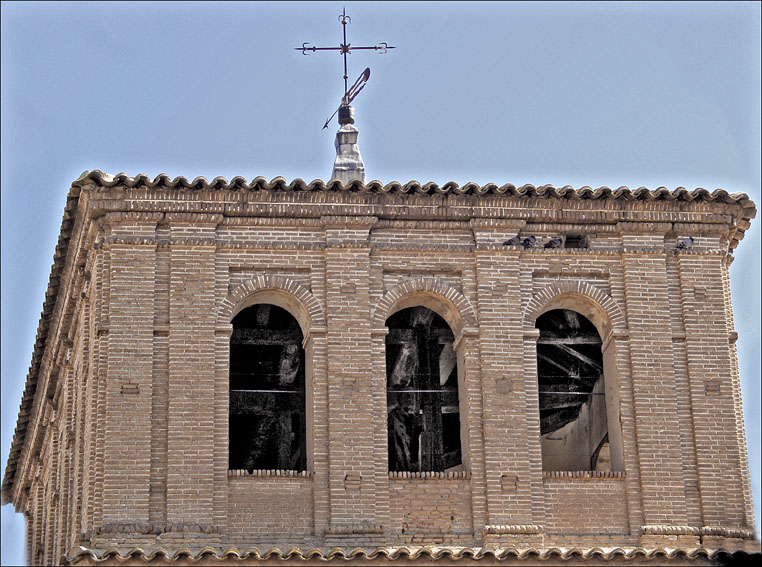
(637, 94)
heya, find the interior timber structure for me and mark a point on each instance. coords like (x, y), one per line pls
(266, 372)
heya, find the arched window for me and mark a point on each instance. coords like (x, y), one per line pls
(267, 396)
(573, 419)
(423, 415)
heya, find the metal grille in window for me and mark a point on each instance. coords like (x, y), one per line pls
(423, 415)
(573, 421)
(267, 398)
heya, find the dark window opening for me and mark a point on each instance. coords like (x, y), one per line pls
(422, 393)
(575, 241)
(573, 421)
(267, 396)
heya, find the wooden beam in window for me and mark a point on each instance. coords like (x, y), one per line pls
(549, 360)
(405, 336)
(569, 341)
(265, 337)
(579, 355)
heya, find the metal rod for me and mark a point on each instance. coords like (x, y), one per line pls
(421, 391)
(345, 50)
(255, 374)
(272, 391)
(571, 393)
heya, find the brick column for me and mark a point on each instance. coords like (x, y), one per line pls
(653, 375)
(618, 371)
(191, 391)
(471, 396)
(351, 428)
(509, 474)
(735, 379)
(531, 387)
(712, 390)
(127, 451)
(317, 407)
(160, 395)
(99, 338)
(381, 439)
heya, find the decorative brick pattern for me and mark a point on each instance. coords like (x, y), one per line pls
(263, 283)
(461, 314)
(122, 442)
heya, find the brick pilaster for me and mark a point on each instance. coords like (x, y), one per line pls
(350, 398)
(501, 346)
(190, 413)
(713, 393)
(127, 451)
(653, 378)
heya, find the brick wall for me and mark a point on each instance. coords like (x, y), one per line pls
(576, 507)
(269, 509)
(431, 511)
(130, 429)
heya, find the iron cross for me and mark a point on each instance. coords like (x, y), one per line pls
(346, 49)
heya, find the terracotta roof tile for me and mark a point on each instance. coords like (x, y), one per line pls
(280, 184)
(411, 553)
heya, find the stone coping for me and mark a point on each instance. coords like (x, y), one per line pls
(617, 475)
(658, 529)
(405, 475)
(270, 473)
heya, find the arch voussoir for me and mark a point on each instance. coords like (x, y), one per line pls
(264, 282)
(586, 291)
(461, 308)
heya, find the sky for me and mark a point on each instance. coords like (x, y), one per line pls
(572, 93)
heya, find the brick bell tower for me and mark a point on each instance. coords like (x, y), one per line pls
(239, 369)
(351, 372)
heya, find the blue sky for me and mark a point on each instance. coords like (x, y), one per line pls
(637, 94)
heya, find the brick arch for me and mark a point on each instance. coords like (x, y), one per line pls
(429, 292)
(582, 297)
(278, 290)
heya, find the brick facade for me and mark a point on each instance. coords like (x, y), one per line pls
(122, 440)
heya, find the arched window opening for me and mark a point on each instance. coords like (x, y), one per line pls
(423, 414)
(267, 395)
(573, 419)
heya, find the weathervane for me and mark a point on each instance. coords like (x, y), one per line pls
(346, 49)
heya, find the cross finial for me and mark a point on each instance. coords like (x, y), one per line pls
(345, 49)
